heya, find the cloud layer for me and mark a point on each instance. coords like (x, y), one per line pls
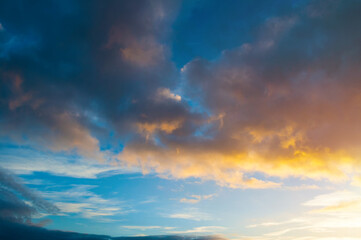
(18, 203)
(101, 81)
(18, 231)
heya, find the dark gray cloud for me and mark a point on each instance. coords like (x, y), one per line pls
(83, 65)
(80, 75)
(18, 203)
(16, 231)
(285, 104)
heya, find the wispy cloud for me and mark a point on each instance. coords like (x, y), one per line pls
(196, 198)
(203, 229)
(336, 213)
(144, 228)
(190, 214)
(81, 201)
(18, 203)
(17, 160)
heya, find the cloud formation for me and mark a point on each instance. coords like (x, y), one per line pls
(334, 214)
(284, 105)
(9, 230)
(18, 203)
(196, 198)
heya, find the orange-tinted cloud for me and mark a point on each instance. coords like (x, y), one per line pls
(283, 110)
(286, 104)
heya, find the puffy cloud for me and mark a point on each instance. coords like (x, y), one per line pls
(40, 99)
(285, 104)
(167, 94)
(143, 54)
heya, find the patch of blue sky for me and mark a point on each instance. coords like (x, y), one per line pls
(195, 106)
(112, 144)
(132, 204)
(120, 200)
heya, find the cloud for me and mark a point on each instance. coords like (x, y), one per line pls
(190, 214)
(283, 105)
(144, 228)
(356, 181)
(108, 67)
(203, 229)
(18, 203)
(146, 53)
(286, 111)
(196, 198)
(17, 160)
(11, 230)
(332, 214)
(79, 200)
(165, 93)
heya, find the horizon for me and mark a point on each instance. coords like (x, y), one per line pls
(204, 119)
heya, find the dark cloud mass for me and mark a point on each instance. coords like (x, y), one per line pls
(78, 75)
(18, 204)
(113, 53)
(286, 104)
(15, 231)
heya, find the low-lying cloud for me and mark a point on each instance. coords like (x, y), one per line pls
(18, 203)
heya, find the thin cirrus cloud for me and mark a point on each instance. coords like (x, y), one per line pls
(203, 229)
(336, 213)
(196, 198)
(79, 200)
(193, 214)
(17, 160)
(19, 204)
(144, 228)
(266, 106)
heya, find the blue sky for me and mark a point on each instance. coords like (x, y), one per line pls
(132, 203)
(231, 119)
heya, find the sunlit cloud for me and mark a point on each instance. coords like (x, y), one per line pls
(192, 214)
(81, 201)
(56, 164)
(196, 198)
(257, 103)
(336, 213)
(165, 93)
(203, 229)
(272, 120)
(144, 228)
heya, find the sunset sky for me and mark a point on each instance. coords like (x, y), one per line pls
(227, 119)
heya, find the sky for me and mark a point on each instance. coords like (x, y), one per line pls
(201, 119)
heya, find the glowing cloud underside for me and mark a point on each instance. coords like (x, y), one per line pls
(285, 105)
